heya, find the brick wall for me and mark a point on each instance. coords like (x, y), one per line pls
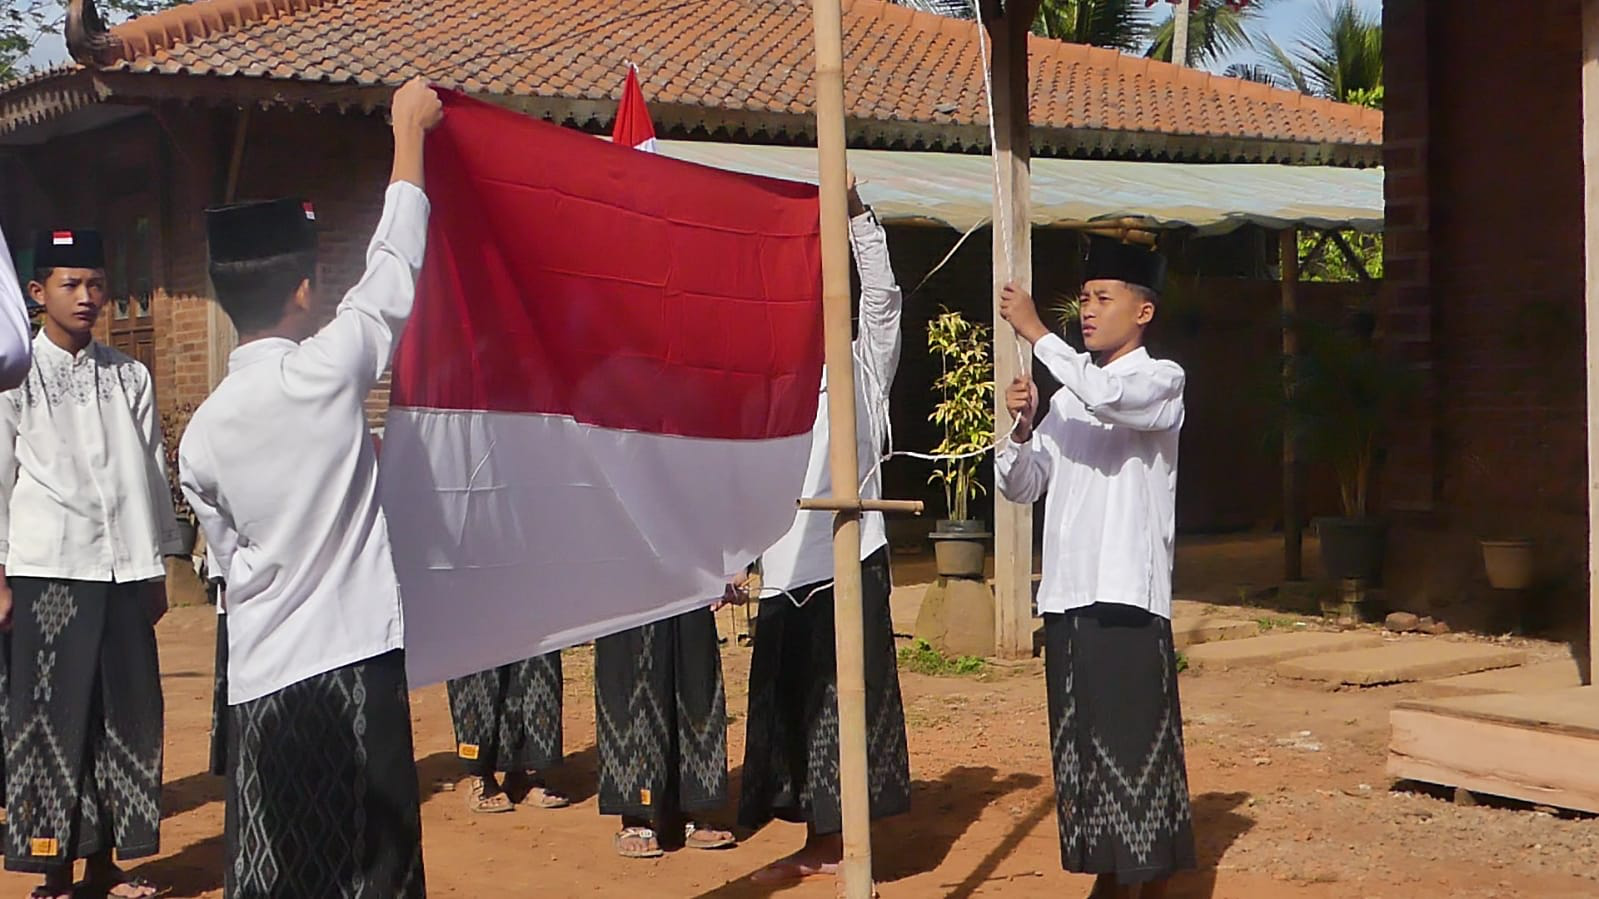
(1486, 259)
(1406, 311)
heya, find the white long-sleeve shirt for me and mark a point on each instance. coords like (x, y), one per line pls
(1106, 455)
(282, 474)
(15, 349)
(805, 554)
(83, 483)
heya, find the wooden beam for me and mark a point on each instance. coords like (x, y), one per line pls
(1013, 261)
(1540, 747)
(1590, 157)
(221, 338)
(855, 873)
(1293, 513)
(241, 130)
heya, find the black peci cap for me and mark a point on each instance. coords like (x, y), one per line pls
(63, 248)
(248, 231)
(1112, 260)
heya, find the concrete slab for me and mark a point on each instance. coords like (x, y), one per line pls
(1402, 661)
(1556, 675)
(1272, 648)
(1192, 631)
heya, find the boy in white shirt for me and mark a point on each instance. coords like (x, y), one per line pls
(282, 474)
(85, 522)
(15, 350)
(1106, 456)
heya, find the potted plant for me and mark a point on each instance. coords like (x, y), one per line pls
(1342, 393)
(172, 425)
(965, 412)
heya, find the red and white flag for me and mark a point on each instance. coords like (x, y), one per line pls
(633, 127)
(602, 405)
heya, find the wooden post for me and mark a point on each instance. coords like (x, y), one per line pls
(1293, 514)
(848, 619)
(1013, 523)
(1590, 157)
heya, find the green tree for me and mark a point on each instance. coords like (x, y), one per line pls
(1322, 259)
(1216, 28)
(1117, 24)
(24, 22)
(1340, 59)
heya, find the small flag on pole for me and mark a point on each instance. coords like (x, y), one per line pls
(633, 127)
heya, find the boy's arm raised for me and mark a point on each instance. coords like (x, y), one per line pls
(360, 340)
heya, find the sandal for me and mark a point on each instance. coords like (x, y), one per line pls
(648, 845)
(696, 837)
(527, 788)
(481, 801)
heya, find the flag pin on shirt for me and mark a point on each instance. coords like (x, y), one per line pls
(310, 211)
(61, 238)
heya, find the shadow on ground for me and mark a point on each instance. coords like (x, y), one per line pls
(942, 811)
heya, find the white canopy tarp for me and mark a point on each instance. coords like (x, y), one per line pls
(957, 189)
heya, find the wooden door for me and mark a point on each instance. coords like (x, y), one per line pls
(131, 250)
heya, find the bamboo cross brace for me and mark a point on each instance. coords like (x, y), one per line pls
(893, 506)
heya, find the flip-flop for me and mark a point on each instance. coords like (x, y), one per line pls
(646, 835)
(696, 837)
(480, 802)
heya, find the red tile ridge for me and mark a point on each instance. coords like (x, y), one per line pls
(197, 21)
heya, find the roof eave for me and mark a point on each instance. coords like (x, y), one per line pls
(34, 104)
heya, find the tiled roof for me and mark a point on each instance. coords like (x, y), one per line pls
(912, 78)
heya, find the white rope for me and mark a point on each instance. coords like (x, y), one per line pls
(993, 135)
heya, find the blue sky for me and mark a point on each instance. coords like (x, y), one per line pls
(1284, 21)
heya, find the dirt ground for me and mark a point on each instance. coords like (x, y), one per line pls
(1289, 794)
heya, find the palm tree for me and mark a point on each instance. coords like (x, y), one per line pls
(1340, 60)
(1215, 29)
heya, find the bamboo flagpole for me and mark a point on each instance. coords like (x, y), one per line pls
(856, 870)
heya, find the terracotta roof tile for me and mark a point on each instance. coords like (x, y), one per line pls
(753, 55)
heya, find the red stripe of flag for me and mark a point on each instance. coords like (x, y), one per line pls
(573, 277)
